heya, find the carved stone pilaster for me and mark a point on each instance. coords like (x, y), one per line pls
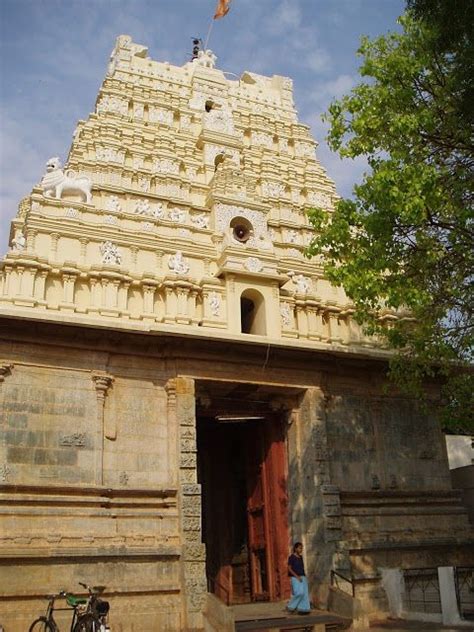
(181, 410)
(102, 383)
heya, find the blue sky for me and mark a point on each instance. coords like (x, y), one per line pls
(54, 53)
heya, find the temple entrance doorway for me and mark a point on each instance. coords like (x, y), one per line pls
(242, 468)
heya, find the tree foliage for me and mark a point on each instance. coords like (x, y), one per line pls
(404, 242)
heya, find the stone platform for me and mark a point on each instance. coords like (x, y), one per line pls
(273, 616)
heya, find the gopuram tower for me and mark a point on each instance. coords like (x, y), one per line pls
(182, 392)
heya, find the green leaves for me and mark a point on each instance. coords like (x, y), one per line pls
(405, 240)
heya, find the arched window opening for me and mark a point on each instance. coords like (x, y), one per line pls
(208, 105)
(242, 229)
(252, 313)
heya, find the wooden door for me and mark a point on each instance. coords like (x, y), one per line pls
(267, 513)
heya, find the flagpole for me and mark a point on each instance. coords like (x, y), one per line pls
(208, 33)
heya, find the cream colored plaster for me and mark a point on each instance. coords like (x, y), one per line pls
(169, 177)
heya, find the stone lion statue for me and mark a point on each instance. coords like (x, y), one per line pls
(55, 182)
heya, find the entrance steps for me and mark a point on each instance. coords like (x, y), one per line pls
(272, 616)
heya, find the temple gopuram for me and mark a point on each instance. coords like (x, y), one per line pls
(182, 392)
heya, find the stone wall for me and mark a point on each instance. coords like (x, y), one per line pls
(100, 485)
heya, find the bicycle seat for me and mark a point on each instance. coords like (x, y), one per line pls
(74, 601)
(99, 589)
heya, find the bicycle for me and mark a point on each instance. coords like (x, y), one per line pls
(47, 623)
(89, 615)
(95, 619)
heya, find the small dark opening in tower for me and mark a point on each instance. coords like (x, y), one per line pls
(208, 106)
(247, 307)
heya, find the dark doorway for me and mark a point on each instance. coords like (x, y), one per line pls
(242, 470)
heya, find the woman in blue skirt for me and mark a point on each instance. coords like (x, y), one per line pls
(299, 601)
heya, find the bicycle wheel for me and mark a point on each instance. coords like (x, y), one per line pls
(42, 625)
(87, 623)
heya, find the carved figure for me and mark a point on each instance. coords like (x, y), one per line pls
(206, 58)
(177, 215)
(303, 283)
(55, 182)
(110, 253)
(285, 315)
(201, 220)
(215, 303)
(177, 264)
(113, 204)
(18, 241)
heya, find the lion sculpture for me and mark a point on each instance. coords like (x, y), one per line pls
(55, 182)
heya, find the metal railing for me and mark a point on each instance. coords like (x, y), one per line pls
(337, 581)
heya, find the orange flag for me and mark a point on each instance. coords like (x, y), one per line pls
(222, 9)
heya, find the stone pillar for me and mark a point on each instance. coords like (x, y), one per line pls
(83, 241)
(40, 286)
(315, 512)
(8, 271)
(53, 250)
(31, 240)
(193, 567)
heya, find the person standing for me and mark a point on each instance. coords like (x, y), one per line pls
(299, 601)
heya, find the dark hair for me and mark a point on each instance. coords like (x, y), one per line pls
(296, 545)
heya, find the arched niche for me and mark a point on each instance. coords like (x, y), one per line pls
(252, 313)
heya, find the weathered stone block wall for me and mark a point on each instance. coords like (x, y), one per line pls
(137, 456)
(384, 443)
(49, 429)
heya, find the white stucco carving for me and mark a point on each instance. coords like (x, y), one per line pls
(292, 237)
(114, 104)
(185, 121)
(138, 162)
(55, 182)
(211, 151)
(262, 139)
(110, 253)
(201, 220)
(111, 219)
(18, 241)
(197, 101)
(160, 115)
(253, 264)
(170, 190)
(273, 189)
(319, 198)
(138, 110)
(260, 238)
(143, 207)
(144, 184)
(165, 165)
(109, 154)
(206, 58)
(285, 314)
(304, 150)
(284, 145)
(178, 215)
(215, 304)
(303, 283)
(113, 204)
(147, 226)
(178, 264)
(219, 120)
(71, 212)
